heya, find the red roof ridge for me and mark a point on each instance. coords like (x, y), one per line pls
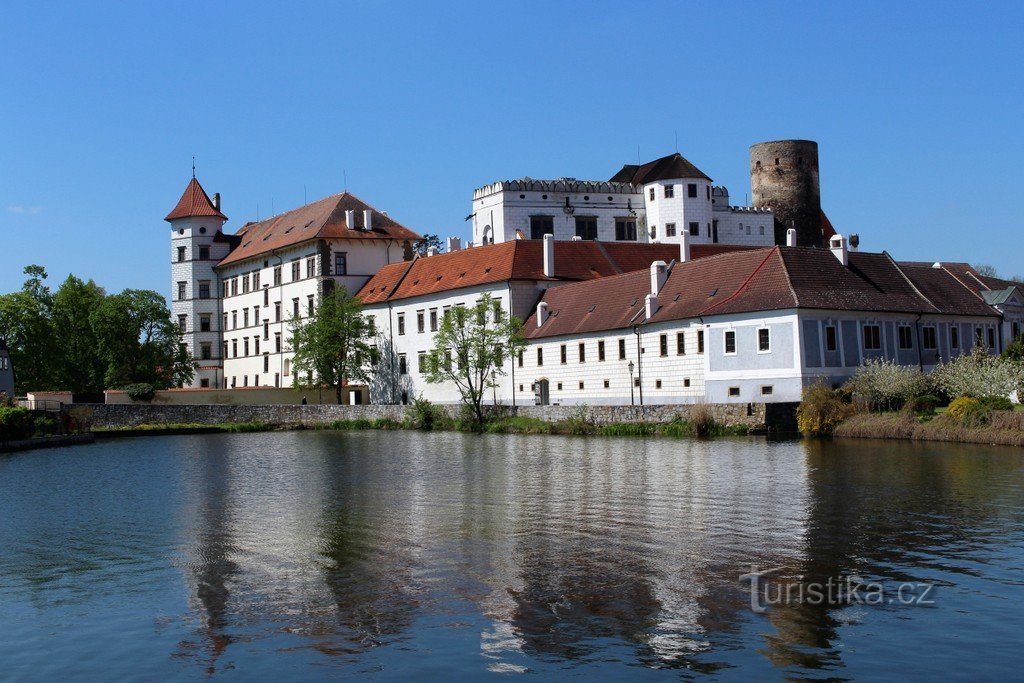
(909, 281)
(771, 252)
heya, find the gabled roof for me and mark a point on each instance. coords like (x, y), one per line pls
(194, 202)
(520, 260)
(322, 219)
(666, 168)
(766, 279)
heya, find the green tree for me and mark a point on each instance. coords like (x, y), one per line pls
(138, 342)
(25, 323)
(80, 366)
(331, 347)
(471, 347)
(426, 243)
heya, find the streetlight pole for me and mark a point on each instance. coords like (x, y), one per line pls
(631, 402)
(639, 367)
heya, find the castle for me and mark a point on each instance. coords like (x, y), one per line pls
(650, 283)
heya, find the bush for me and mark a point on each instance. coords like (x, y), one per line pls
(15, 423)
(140, 392)
(886, 385)
(702, 422)
(43, 424)
(968, 412)
(579, 422)
(980, 375)
(922, 405)
(425, 415)
(821, 410)
(997, 403)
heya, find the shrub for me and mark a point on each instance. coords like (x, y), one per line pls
(821, 410)
(425, 415)
(702, 421)
(997, 403)
(980, 375)
(886, 385)
(922, 405)
(140, 392)
(15, 423)
(579, 422)
(629, 429)
(968, 412)
(43, 424)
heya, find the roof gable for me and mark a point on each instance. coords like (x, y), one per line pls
(666, 168)
(194, 202)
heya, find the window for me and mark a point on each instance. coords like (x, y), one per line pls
(371, 323)
(266, 363)
(1016, 330)
(734, 392)
(182, 322)
(670, 230)
(245, 283)
(563, 354)
(606, 384)
(622, 349)
(181, 254)
(691, 190)
(695, 229)
(559, 386)
(581, 386)
(583, 353)
(204, 289)
(652, 194)
(204, 322)
(295, 307)
(586, 227)
(657, 384)
(767, 390)
(401, 324)
(181, 291)
(225, 350)
(625, 229)
(256, 280)
(310, 267)
(266, 297)
(830, 338)
(686, 381)
(954, 337)
(287, 366)
(309, 305)
(991, 338)
(540, 226)
(234, 286)
(266, 329)
(204, 383)
(296, 270)
(277, 343)
(700, 341)
(419, 322)
(929, 339)
(245, 346)
(670, 191)
(681, 343)
(540, 356)
(256, 346)
(979, 337)
(421, 362)
(245, 317)
(764, 340)
(519, 361)
(497, 310)
(654, 231)
(234, 320)
(433, 320)
(234, 348)
(277, 311)
(600, 350)
(906, 336)
(402, 367)
(277, 275)
(204, 253)
(663, 344)
(341, 263)
(730, 341)
(872, 337)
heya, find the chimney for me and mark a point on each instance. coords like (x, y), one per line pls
(432, 251)
(453, 244)
(838, 247)
(651, 305)
(684, 246)
(549, 255)
(367, 219)
(791, 237)
(216, 200)
(659, 273)
(577, 238)
(542, 313)
(854, 242)
(350, 219)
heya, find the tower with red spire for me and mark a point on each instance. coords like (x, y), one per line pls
(197, 245)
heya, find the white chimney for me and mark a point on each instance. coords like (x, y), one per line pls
(453, 244)
(431, 251)
(651, 305)
(854, 242)
(549, 255)
(684, 246)
(791, 237)
(367, 219)
(577, 238)
(542, 313)
(659, 273)
(350, 219)
(838, 247)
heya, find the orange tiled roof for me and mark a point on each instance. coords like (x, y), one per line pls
(322, 219)
(194, 202)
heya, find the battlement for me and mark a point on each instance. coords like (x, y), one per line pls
(565, 185)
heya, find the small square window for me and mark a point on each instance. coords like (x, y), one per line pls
(766, 390)
(670, 191)
(559, 386)
(581, 386)
(691, 190)
(686, 381)
(657, 384)
(830, 338)
(734, 392)
(606, 384)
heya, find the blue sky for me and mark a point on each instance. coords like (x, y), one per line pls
(917, 108)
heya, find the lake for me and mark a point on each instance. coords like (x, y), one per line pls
(303, 555)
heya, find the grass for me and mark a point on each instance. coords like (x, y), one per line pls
(1005, 428)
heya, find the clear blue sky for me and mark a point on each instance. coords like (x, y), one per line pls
(917, 108)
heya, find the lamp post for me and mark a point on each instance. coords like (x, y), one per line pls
(631, 383)
(494, 387)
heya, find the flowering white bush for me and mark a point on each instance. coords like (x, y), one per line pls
(886, 384)
(980, 375)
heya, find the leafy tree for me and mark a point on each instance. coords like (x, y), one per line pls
(331, 347)
(25, 322)
(80, 365)
(138, 342)
(470, 350)
(428, 241)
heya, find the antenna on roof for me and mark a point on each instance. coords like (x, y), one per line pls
(193, 165)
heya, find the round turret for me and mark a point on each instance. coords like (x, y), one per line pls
(784, 177)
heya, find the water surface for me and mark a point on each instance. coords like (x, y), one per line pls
(309, 554)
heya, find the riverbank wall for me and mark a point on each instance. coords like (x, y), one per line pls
(755, 416)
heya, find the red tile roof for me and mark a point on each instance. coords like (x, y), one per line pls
(764, 279)
(670, 167)
(194, 202)
(322, 219)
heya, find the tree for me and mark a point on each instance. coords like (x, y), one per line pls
(388, 385)
(428, 241)
(138, 341)
(25, 322)
(470, 350)
(331, 347)
(985, 270)
(80, 366)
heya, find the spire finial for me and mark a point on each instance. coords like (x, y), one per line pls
(193, 165)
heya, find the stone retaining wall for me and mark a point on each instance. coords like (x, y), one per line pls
(114, 415)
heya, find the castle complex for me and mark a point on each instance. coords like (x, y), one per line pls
(648, 285)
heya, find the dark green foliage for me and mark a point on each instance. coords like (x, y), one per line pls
(821, 410)
(15, 423)
(140, 392)
(997, 403)
(332, 346)
(426, 416)
(923, 405)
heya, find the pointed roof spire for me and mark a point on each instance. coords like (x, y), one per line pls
(194, 202)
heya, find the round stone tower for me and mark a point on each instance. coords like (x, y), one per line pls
(784, 177)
